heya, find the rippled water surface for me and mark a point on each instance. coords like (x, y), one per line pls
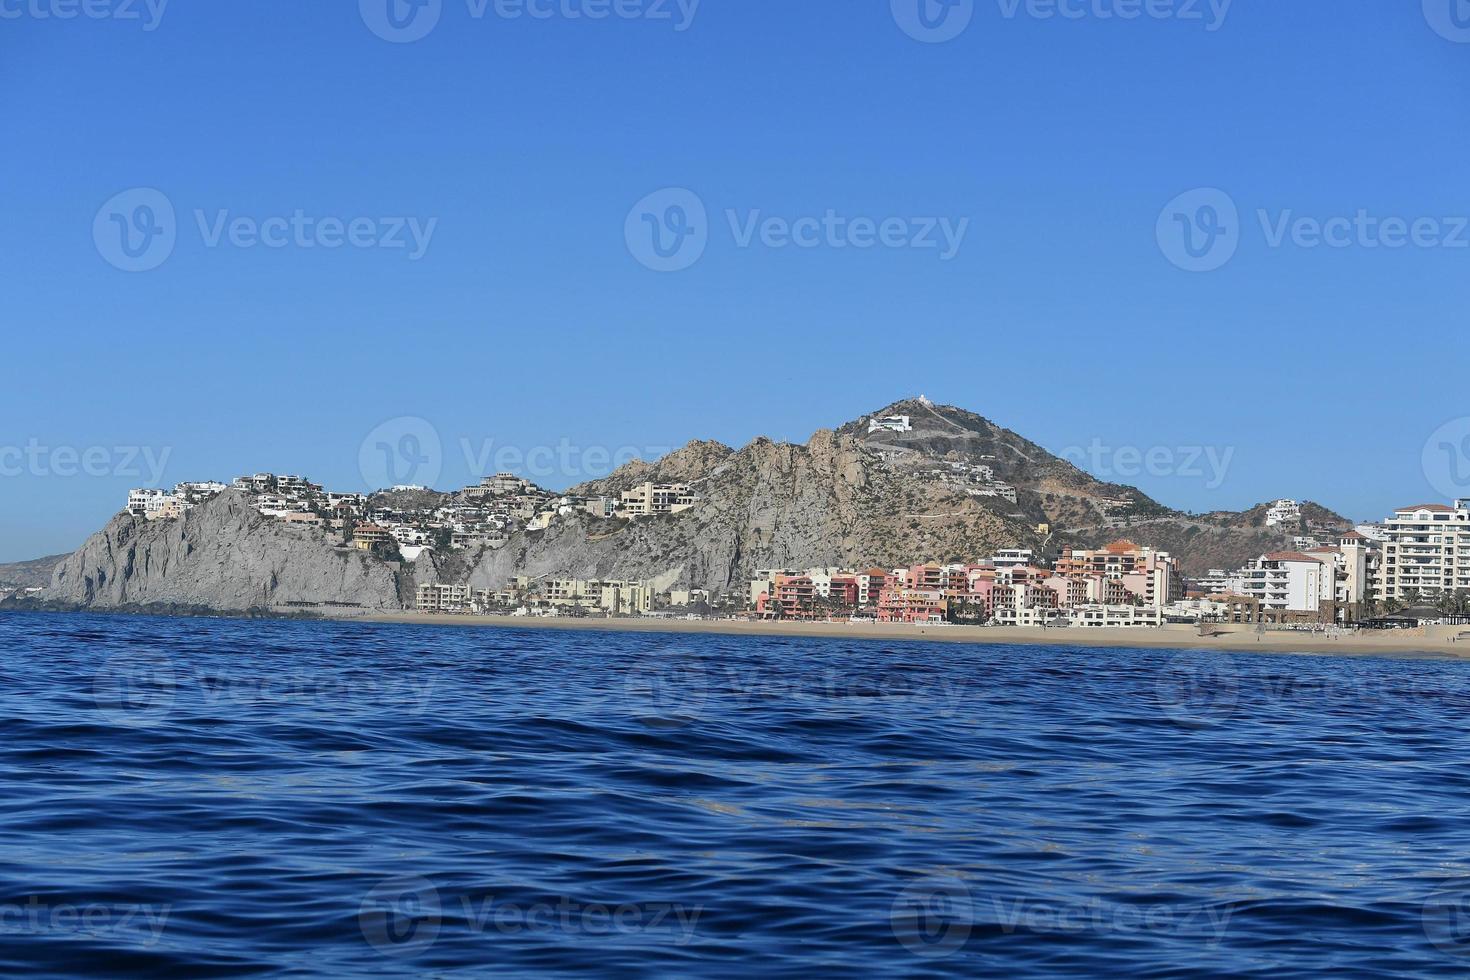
(229, 798)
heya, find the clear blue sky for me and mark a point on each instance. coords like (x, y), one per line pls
(528, 320)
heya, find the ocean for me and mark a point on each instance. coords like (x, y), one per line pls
(223, 798)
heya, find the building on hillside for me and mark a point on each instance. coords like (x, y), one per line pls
(653, 499)
(365, 536)
(601, 507)
(891, 423)
(1010, 557)
(1283, 512)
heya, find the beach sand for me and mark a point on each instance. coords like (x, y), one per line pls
(1431, 641)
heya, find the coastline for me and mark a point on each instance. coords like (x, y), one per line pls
(1432, 641)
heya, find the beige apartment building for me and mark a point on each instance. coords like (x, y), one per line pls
(1426, 549)
(656, 498)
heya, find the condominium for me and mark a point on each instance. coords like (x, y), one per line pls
(650, 499)
(434, 597)
(1426, 551)
(1147, 573)
(1288, 581)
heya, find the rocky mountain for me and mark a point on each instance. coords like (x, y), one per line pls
(29, 574)
(933, 482)
(222, 555)
(914, 481)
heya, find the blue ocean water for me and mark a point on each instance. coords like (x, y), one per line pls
(214, 798)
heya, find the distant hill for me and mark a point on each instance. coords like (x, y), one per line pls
(912, 481)
(32, 574)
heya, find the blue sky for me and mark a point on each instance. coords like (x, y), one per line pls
(519, 147)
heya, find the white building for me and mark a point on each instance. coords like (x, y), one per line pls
(1283, 512)
(1426, 550)
(1288, 580)
(891, 423)
(1013, 557)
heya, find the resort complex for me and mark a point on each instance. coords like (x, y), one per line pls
(1415, 564)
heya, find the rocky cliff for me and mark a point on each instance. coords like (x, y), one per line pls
(943, 484)
(224, 556)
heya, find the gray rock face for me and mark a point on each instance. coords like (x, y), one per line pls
(224, 556)
(831, 501)
(856, 497)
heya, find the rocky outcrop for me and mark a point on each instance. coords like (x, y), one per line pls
(832, 501)
(857, 496)
(222, 555)
(29, 574)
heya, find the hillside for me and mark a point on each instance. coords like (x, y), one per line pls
(31, 574)
(911, 482)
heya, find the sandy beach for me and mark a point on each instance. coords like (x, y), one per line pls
(1432, 641)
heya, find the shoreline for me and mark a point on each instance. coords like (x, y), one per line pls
(1428, 642)
(1425, 642)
